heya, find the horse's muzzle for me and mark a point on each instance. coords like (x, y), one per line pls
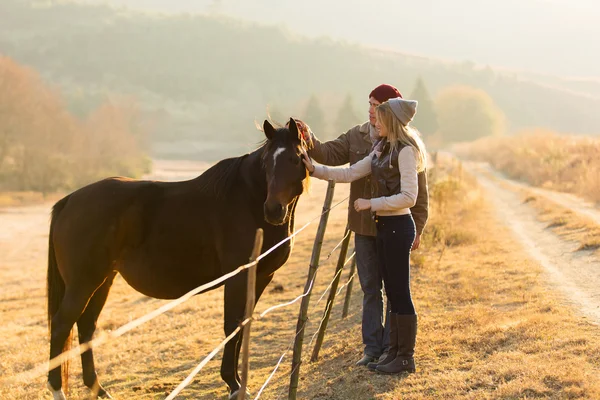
(275, 214)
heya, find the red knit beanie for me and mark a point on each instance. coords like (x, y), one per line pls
(384, 92)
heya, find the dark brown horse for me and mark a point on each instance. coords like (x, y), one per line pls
(166, 238)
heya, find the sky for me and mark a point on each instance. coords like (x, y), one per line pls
(555, 37)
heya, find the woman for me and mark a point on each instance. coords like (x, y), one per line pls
(394, 163)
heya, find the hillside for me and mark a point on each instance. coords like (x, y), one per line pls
(547, 36)
(206, 78)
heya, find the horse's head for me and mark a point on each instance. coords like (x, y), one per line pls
(286, 173)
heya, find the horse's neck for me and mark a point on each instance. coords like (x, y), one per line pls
(254, 177)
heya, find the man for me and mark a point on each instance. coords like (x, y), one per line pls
(351, 147)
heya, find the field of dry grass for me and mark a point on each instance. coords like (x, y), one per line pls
(543, 158)
(564, 222)
(489, 325)
(564, 217)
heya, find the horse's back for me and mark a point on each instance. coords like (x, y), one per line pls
(163, 237)
(103, 203)
(90, 224)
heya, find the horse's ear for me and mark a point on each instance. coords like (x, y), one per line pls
(268, 129)
(294, 128)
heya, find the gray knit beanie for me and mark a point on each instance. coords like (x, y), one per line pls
(404, 110)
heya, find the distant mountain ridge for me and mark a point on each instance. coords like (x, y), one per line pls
(204, 76)
(551, 37)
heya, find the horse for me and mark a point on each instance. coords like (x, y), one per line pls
(167, 238)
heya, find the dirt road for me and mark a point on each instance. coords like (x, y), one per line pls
(575, 273)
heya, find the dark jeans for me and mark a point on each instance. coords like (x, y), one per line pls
(395, 236)
(375, 334)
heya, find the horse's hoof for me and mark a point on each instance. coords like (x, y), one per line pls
(98, 392)
(234, 395)
(57, 394)
(104, 395)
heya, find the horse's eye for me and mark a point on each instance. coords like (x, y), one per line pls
(296, 160)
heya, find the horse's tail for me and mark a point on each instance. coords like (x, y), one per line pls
(55, 287)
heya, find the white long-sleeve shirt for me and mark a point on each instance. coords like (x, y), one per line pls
(397, 204)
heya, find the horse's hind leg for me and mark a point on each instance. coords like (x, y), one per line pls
(72, 305)
(86, 326)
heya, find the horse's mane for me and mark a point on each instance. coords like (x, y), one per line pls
(221, 178)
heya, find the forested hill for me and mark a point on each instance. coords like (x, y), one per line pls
(208, 77)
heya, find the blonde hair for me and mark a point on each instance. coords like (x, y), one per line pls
(399, 134)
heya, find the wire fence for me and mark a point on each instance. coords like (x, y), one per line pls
(261, 316)
(44, 368)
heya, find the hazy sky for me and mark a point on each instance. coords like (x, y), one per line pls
(559, 37)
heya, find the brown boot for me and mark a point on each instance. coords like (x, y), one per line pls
(393, 350)
(407, 337)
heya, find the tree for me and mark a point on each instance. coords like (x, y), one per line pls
(43, 147)
(426, 119)
(347, 115)
(466, 113)
(315, 117)
(114, 142)
(35, 130)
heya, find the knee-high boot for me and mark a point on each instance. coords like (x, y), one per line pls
(406, 326)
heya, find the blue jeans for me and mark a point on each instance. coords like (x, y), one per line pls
(375, 335)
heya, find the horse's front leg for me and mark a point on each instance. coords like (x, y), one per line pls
(235, 304)
(235, 301)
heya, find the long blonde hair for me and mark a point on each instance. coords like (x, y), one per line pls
(399, 134)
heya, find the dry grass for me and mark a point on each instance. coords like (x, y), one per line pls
(543, 158)
(488, 327)
(565, 223)
(568, 224)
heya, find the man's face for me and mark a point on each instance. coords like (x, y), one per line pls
(373, 102)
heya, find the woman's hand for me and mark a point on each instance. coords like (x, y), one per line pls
(307, 162)
(362, 204)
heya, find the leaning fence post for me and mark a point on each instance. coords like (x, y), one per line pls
(250, 300)
(312, 272)
(336, 280)
(349, 288)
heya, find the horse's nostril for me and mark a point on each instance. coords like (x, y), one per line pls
(275, 211)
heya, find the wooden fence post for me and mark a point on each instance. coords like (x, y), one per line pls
(336, 280)
(312, 272)
(250, 302)
(349, 287)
